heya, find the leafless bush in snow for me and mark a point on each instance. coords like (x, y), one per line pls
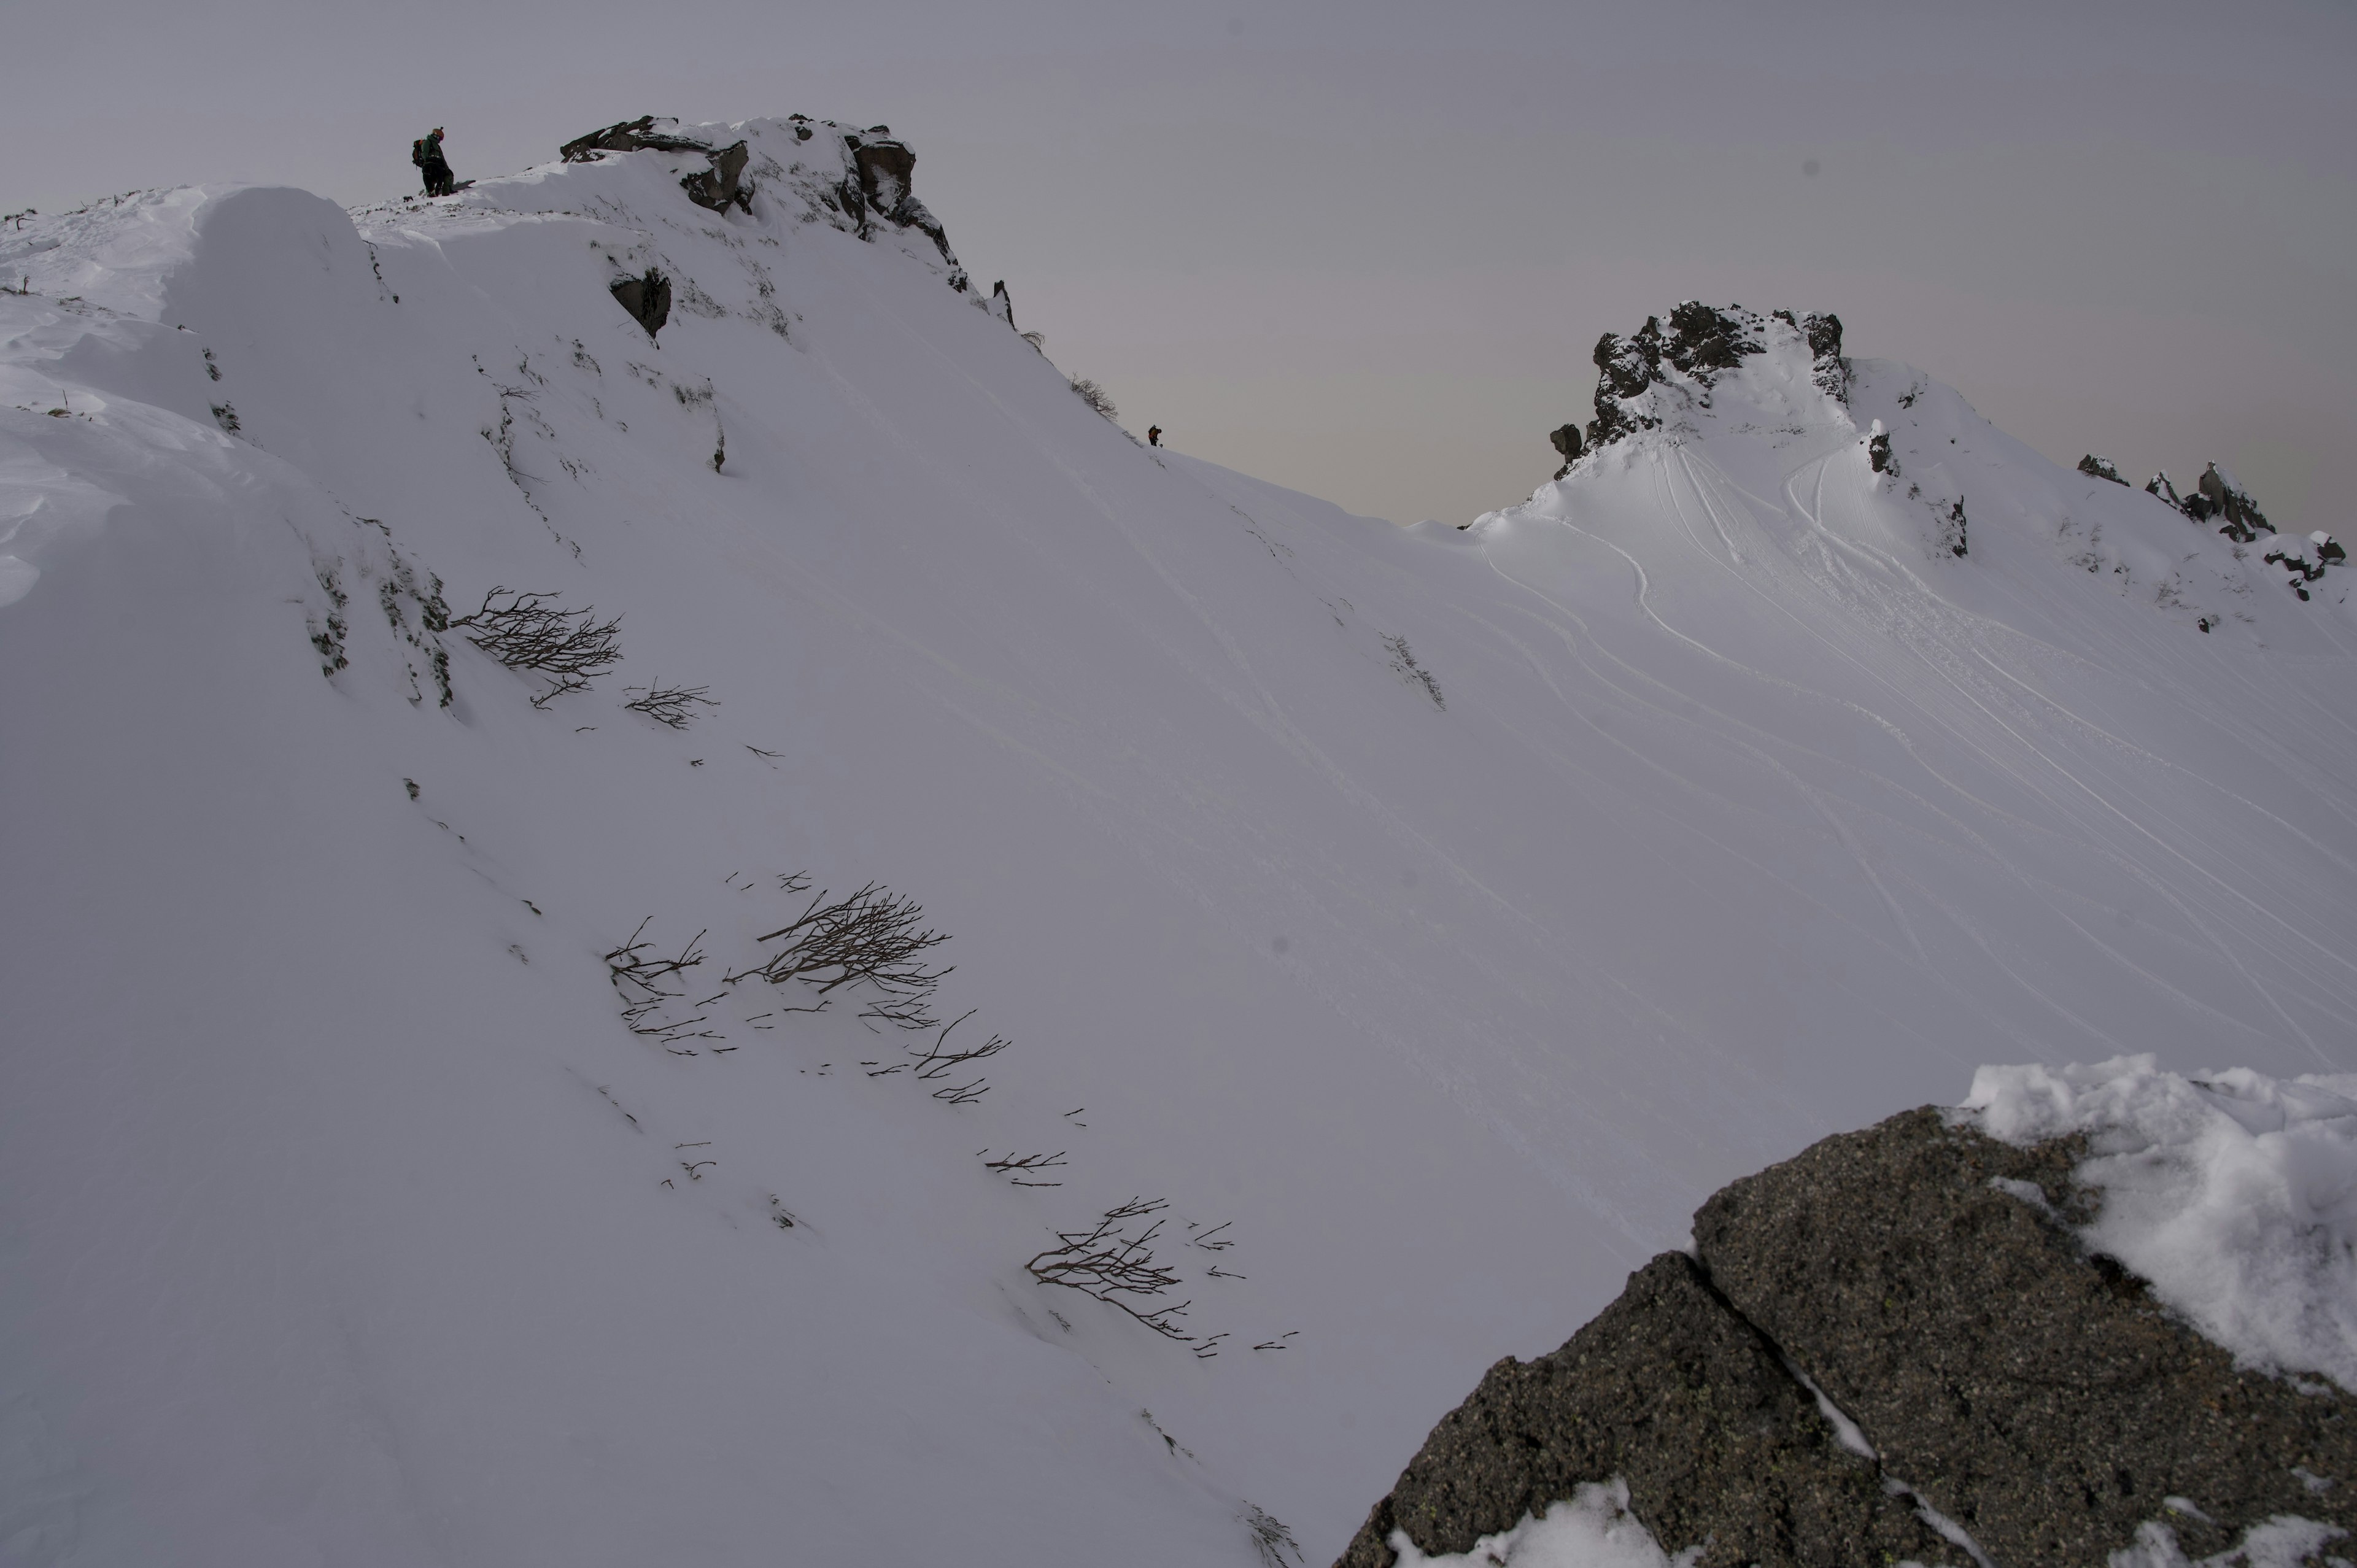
(1114, 1267)
(524, 631)
(672, 705)
(1270, 1539)
(874, 937)
(1095, 396)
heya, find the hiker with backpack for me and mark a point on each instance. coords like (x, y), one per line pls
(426, 153)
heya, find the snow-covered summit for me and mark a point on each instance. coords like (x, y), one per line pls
(1901, 468)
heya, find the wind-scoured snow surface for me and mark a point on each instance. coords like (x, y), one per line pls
(1445, 912)
(2235, 1194)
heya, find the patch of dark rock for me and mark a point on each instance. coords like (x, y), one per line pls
(723, 185)
(1703, 340)
(1878, 453)
(717, 188)
(2245, 521)
(2033, 1393)
(2096, 467)
(1566, 440)
(1669, 1389)
(647, 298)
(628, 137)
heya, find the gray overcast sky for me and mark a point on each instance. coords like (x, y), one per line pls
(1365, 249)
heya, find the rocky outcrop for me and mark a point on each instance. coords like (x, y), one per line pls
(2215, 495)
(647, 298)
(1930, 1281)
(1669, 1389)
(1701, 344)
(1566, 440)
(718, 187)
(2096, 467)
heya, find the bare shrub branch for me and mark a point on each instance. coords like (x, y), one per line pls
(647, 981)
(1095, 396)
(1021, 1169)
(524, 631)
(874, 937)
(1270, 1538)
(1109, 1264)
(940, 1060)
(672, 705)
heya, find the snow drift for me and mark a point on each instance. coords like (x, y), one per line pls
(1444, 912)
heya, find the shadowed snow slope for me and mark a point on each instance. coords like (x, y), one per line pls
(1450, 911)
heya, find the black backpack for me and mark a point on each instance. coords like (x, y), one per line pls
(417, 152)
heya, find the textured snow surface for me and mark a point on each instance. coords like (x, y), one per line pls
(1594, 1529)
(1427, 906)
(2235, 1194)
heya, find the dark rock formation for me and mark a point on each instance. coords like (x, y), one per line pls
(1703, 340)
(1929, 1280)
(2216, 496)
(722, 185)
(629, 136)
(2034, 1393)
(647, 298)
(1002, 303)
(715, 188)
(1830, 370)
(2245, 521)
(2096, 467)
(1567, 443)
(1701, 343)
(1669, 1389)
(1877, 451)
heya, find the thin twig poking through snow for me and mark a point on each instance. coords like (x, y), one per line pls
(672, 705)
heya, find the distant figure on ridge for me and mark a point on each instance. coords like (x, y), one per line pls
(426, 153)
(1154, 436)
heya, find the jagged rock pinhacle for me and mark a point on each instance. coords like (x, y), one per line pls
(1718, 1442)
(1701, 344)
(2035, 1394)
(2216, 494)
(1566, 440)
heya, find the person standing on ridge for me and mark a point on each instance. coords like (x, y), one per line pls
(426, 153)
(1154, 436)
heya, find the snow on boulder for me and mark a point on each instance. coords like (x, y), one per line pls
(1917, 1343)
(2233, 1194)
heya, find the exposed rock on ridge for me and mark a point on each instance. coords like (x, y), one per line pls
(1925, 1277)
(718, 187)
(1701, 344)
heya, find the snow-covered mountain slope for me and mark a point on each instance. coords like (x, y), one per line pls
(1444, 911)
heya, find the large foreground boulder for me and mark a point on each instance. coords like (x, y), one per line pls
(2010, 1385)
(1669, 1390)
